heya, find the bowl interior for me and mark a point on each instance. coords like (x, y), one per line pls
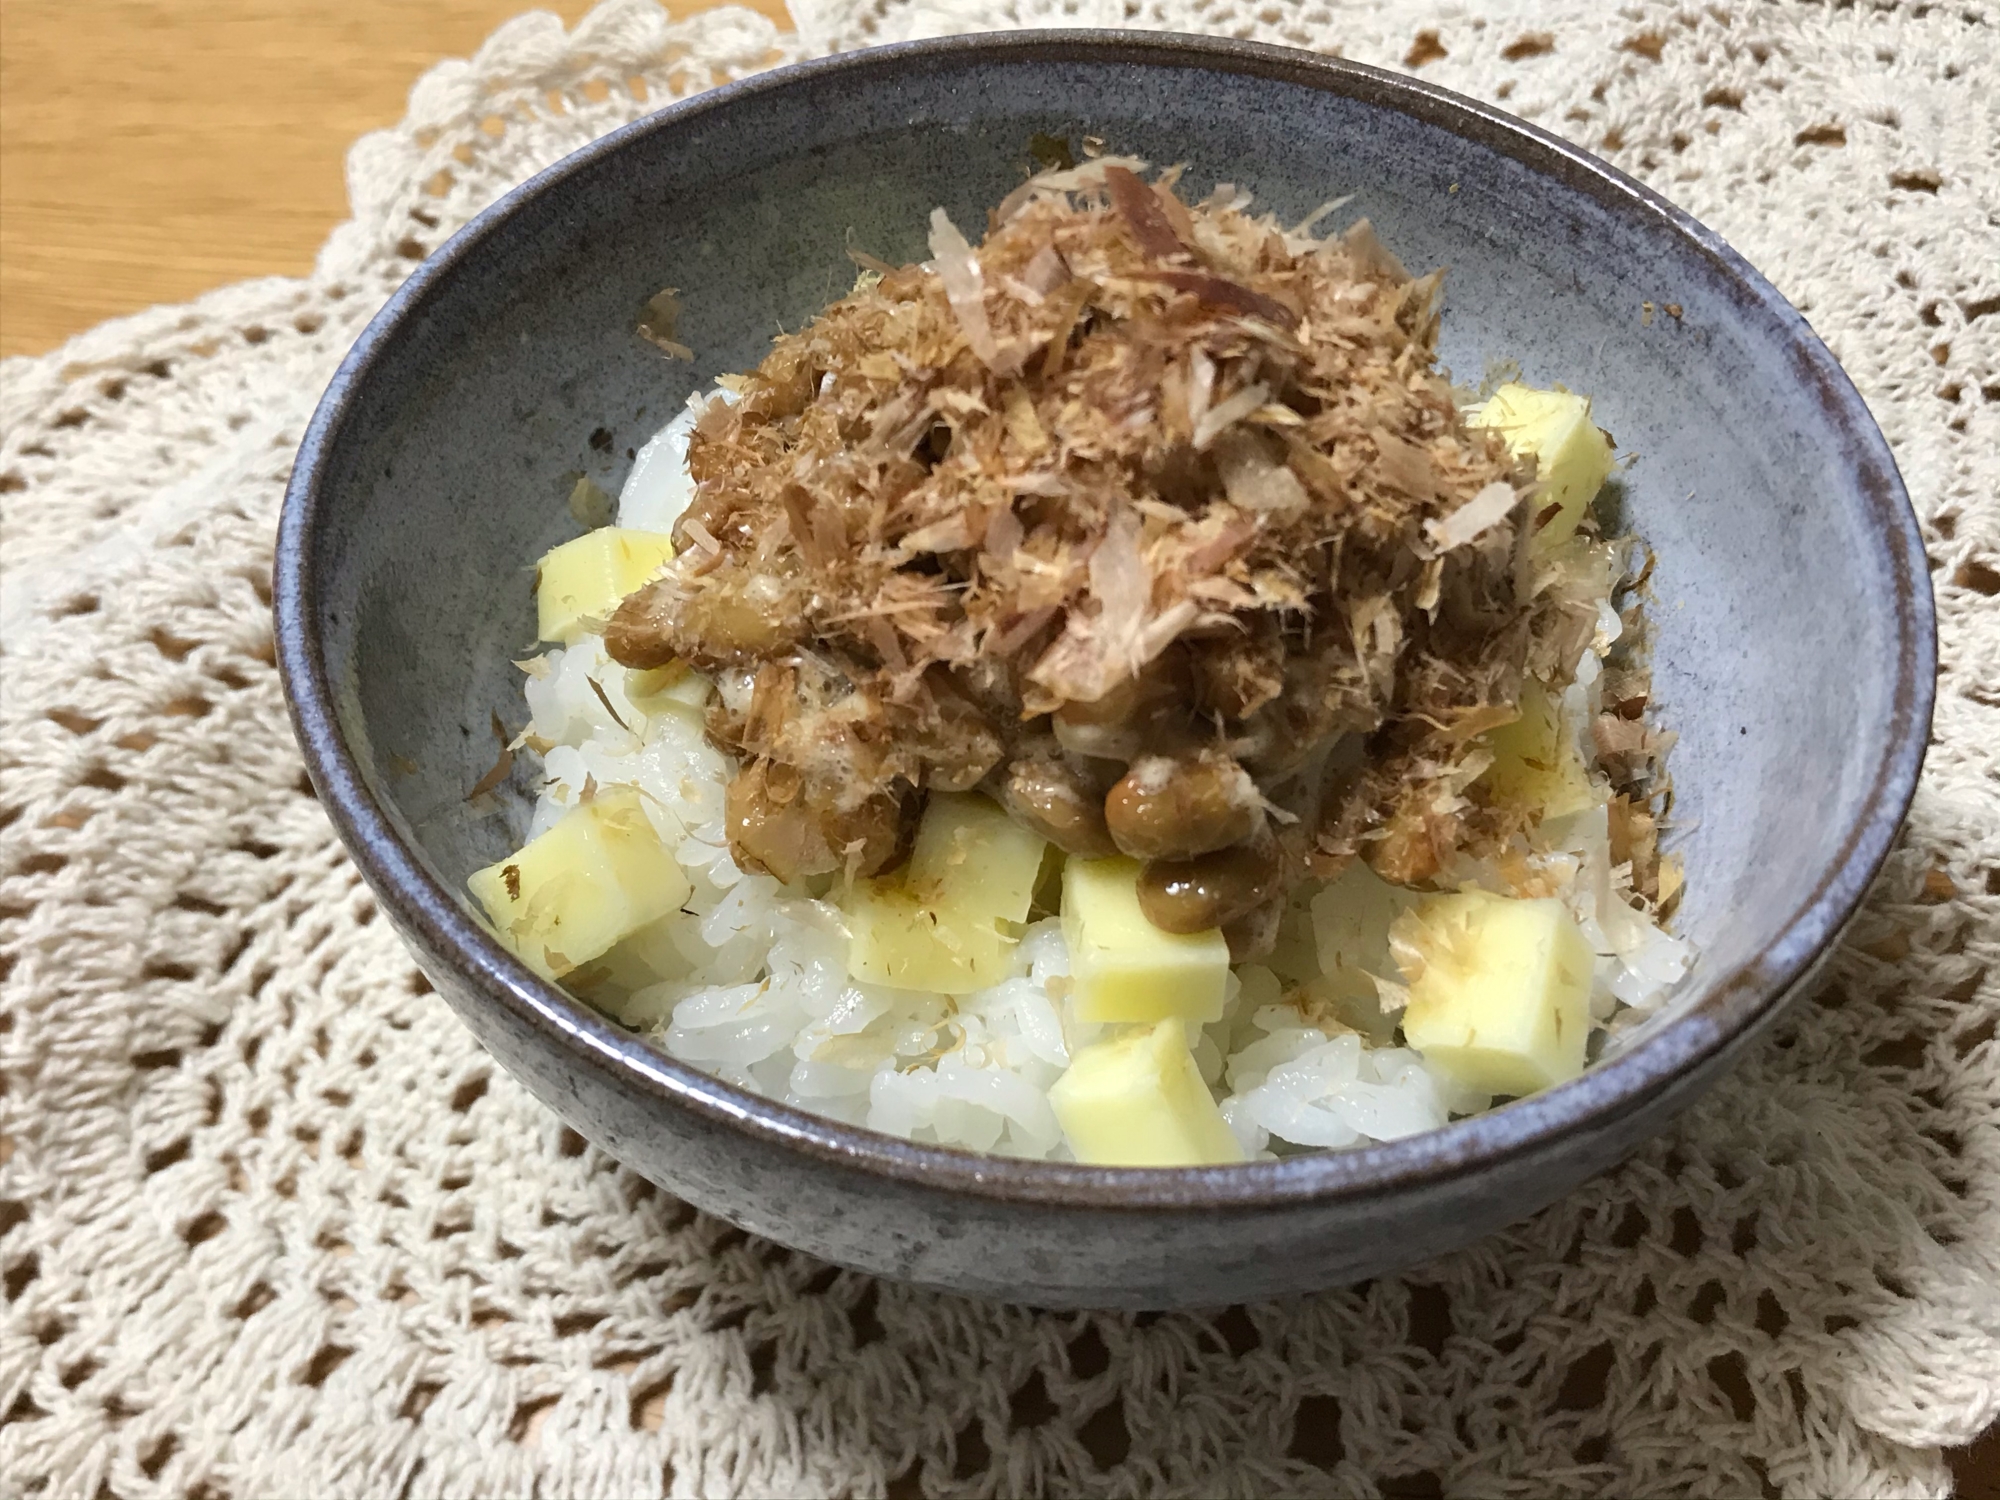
(515, 366)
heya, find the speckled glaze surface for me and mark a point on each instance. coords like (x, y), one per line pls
(1795, 651)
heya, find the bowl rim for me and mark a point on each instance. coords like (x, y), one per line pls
(1746, 997)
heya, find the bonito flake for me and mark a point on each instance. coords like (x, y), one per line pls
(1133, 476)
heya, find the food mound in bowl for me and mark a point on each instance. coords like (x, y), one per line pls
(1103, 696)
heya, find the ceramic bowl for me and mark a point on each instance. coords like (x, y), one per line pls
(1795, 646)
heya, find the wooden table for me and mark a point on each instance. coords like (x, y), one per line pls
(153, 149)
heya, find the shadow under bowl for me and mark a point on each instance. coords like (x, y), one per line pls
(1794, 655)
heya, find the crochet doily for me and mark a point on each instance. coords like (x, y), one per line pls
(272, 1224)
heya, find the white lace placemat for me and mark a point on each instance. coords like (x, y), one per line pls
(271, 1224)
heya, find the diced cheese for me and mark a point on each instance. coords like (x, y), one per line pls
(1137, 1100)
(1500, 996)
(898, 941)
(1536, 762)
(674, 686)
(975, 857)
(1572, 456)
(600, 873)
(945, 921)
(640, 961)
(589, 577)
(1122, 967)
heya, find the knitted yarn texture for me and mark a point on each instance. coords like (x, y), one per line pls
(272, 1224)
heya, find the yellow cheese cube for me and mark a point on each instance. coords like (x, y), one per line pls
(1122, 967)
(1536, 762)
(589, 577)
(1501, 999)
(971, 857)
(899, 941)
(1572, 456)
(1137, 1100)
(945, 921)
(674, 686)
(572, 893)
(638, 961)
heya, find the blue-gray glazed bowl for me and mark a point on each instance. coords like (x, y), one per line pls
(1795, 644)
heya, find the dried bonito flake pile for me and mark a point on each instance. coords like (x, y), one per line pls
(1154, 518)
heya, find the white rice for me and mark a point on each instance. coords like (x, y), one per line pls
(748, 980)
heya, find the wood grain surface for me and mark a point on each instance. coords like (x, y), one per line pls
(153, 149)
